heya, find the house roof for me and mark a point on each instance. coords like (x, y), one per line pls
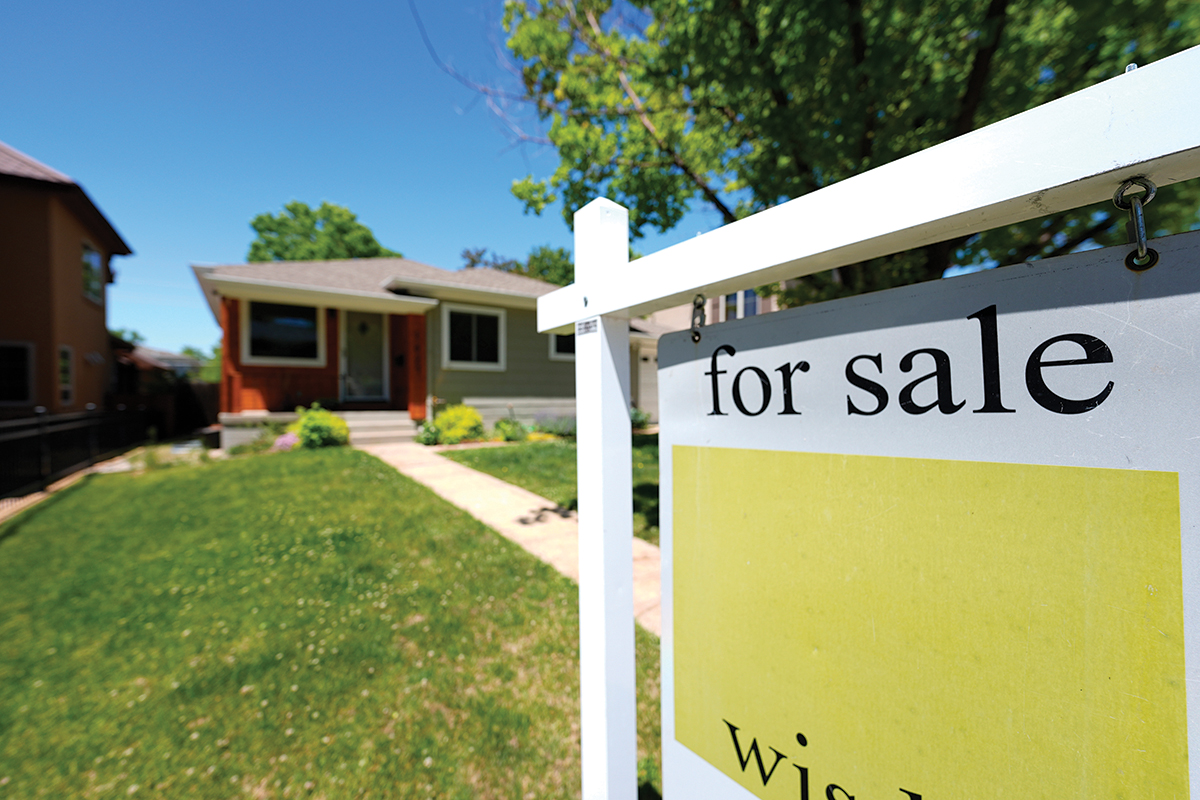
(15, 163)
(17, 167)
(395, 285)
(153, 358)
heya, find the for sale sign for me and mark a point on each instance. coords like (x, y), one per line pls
(938, 542)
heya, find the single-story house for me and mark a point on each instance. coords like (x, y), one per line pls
(389, 334)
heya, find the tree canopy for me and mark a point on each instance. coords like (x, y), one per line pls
(550, 264)
(210, 362)
(127, 335)
(301, 233)
(738, 105)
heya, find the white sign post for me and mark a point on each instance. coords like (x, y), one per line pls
(606, 650)
(1066, 154)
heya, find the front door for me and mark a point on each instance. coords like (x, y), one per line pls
(364, 376)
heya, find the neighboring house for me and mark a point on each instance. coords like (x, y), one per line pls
(153, 361)
(164, 385)
(384, 334)
(391, 334)
(55, 252)
(644, 335)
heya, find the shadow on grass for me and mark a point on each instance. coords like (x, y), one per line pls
(645, 502)
(27, 515)
(645, 440)
(647, 792)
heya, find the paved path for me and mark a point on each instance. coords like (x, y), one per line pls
(522, 517)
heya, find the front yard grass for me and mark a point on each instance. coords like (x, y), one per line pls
(305, 624)
(549, 469)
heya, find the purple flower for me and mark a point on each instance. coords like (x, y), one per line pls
(286, 441)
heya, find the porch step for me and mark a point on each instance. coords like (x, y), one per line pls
(379, 427)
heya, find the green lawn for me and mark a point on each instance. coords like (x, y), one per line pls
(306, 624)
(548, 469)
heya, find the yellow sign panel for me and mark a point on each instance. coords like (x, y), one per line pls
(868, 627)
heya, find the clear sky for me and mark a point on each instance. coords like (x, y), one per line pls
(185, 120)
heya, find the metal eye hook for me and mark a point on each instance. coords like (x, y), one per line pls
(1144, 257)
(697, 316)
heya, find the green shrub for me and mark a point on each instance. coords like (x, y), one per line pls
(427, 434)
(638, 419)
(318, 427)
(510, 430)
(457, 424)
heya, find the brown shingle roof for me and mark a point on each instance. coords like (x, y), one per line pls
(14, 162)
(16, 167)
(378, 274)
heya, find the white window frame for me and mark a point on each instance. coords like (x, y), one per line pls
(741, 306)
(474, 366)
(29, 385)
(279, 361)
(554, 354)
(66, 389)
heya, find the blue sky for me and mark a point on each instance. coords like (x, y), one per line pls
(184, 121)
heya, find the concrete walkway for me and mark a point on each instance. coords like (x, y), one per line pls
(522, 517)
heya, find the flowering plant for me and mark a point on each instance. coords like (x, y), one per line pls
(286, 441)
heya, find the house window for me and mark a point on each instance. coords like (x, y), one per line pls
(562, 347)
(66, 374)
(282, 335)
(93, 275)
(740, 305)
(16, 373)
(473, 338)
(749, 303)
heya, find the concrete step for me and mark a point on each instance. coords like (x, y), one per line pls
(379, 427)
(381, 424)
(354, 416)
(381, 437)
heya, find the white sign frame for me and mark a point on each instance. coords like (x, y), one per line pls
(1066, 154)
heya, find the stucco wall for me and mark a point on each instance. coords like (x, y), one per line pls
(79, 321)
(529, 370)
(41, 252)
(25, 302)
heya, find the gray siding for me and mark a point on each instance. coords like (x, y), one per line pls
(529, 371)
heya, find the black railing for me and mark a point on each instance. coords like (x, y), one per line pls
(36, 451)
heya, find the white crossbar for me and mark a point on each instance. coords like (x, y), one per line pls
(1066, 154)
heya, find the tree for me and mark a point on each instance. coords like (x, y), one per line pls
(550, 264)
(210, 363)
(738, 105)
(127, 335)
(303, 234)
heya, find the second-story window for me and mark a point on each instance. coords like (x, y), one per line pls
(740, 305)
(93, 274)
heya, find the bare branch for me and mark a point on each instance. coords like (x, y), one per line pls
(451, 71)
(643, 117)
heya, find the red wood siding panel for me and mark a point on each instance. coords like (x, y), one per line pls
(415, 363)
(398, 369)
(245, 387)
